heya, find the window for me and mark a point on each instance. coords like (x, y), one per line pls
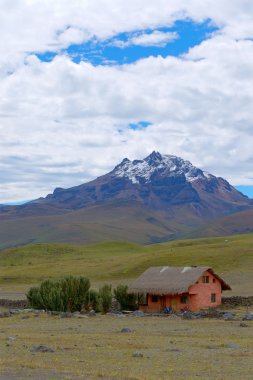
(184, 299)
(213, 280)
(154, 298)
(205, 279)
(213, 297)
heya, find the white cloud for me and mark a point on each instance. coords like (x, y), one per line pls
(156, 38)
(63, 123)
(50, 25)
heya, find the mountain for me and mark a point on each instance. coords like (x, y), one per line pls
(158, 198)
(159, 182)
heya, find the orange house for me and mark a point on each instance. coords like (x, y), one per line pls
(179, 288)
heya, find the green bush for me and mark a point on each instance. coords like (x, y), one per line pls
(105, 295)
(67, 294)
(34, 299)
(47, 296)
(92, 300)
(73, 292)
(127, 301)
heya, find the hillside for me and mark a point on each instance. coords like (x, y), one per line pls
(116, 262)
(159, 198)
(116, 220)
(238, 223)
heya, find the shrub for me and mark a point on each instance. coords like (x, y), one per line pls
(92, 300)
(67, 294)
(127, 301)
(33, 297)
(73, 292)
(46, 296)
(105, 295)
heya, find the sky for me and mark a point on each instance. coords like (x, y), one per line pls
(86, 83)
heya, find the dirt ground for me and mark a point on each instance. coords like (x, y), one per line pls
(95, 348)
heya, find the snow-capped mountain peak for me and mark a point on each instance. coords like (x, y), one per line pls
(141, 171)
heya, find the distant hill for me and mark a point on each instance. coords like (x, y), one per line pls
(121, 262)
(238, 223)
(159, 198)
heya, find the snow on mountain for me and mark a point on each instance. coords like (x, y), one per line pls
(141, 171)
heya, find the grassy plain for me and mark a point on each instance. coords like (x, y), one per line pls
(95, 348)
(121, 262)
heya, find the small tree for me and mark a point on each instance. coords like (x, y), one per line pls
(127, 301)
(105, 295)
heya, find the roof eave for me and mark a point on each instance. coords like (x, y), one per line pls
(224, 285)
(158, 292)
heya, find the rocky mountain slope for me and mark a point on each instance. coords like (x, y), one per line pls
(164, 195)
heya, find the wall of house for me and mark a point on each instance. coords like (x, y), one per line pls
(152, 307)
(200, 293)
(199, 297)
(174, 301)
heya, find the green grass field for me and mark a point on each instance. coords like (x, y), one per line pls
(121, 262)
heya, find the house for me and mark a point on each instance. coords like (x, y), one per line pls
(179, 288)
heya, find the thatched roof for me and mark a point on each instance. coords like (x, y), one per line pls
(170, 280)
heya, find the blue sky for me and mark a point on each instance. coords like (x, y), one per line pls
(187, 35)
(84, 84)
(247, 190)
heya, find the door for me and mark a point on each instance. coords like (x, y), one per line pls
(174, 304)
(163, 302)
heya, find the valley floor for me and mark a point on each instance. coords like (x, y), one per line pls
(95, 348)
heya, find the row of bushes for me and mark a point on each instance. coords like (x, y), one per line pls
(74, 293)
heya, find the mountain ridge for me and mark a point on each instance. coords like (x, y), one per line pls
(161, 197)
(138, 170)
(158, 181)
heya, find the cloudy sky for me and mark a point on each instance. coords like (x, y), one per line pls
(85, 83)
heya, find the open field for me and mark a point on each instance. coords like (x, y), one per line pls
(95, 348)
(121, 262)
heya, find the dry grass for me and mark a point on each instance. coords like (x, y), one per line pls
(94, 348)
